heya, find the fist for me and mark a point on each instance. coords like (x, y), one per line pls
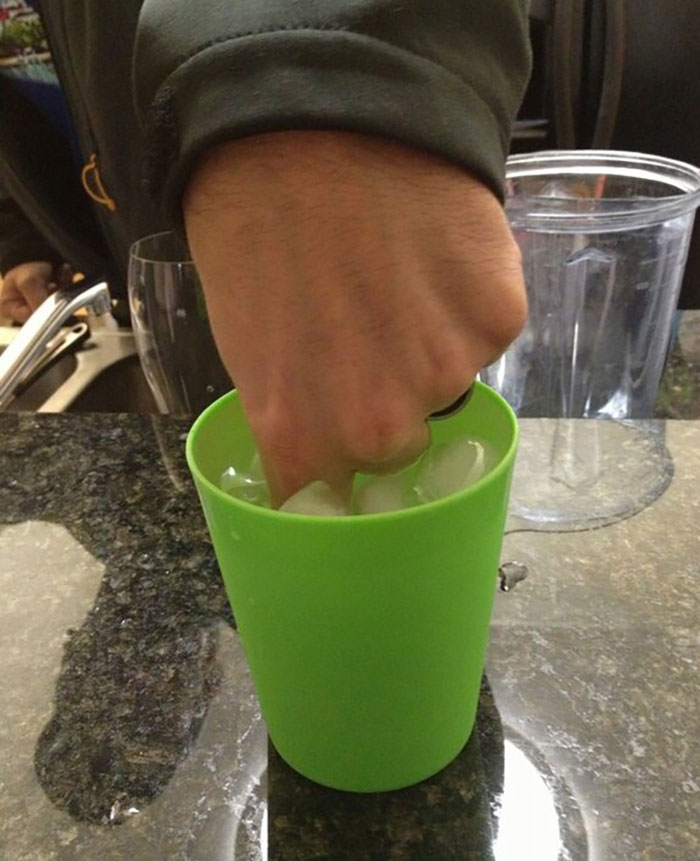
(354, 286)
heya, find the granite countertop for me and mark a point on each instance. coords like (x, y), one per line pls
(131, 730)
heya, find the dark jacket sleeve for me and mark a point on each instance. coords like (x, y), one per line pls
(19, 240)
(446, 76)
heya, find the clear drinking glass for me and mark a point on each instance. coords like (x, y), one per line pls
(604, 238)
(171, 326)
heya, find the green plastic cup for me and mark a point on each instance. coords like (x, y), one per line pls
(366, 634)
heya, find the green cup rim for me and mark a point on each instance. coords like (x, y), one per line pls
(275, 514)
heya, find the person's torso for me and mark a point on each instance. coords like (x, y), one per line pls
(86, 46)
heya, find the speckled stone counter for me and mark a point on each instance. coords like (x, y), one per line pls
(130, 728)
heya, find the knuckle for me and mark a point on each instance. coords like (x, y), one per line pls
(450, 373)
(277, 438)
(446, 391)
(512, 317)
(377, 434)
(504, 315)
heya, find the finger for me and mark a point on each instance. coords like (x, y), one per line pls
(15, 309)
(286, 476)
(455, 405)
(35, 291)
(415, 445)
(295, 458)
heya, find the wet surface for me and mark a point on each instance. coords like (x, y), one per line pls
(510, 574)
(131, 729)
(679, 393)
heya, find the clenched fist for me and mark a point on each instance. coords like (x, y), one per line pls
(354, 287)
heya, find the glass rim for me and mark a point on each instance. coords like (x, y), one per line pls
(134, 254)
(553, 213)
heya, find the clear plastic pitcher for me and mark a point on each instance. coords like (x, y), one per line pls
(604, 238)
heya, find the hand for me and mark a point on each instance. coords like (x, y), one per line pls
(354, 287)
(26, 286)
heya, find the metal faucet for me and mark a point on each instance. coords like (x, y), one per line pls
(19, 357)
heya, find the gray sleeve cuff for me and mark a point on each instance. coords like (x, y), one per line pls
(318, 79)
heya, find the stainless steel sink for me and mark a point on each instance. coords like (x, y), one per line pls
(102, 375)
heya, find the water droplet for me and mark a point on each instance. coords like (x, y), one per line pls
(510, 574)
(210, 390)
(120, 811)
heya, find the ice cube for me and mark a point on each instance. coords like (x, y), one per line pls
(231, 480)
(255, 470)
(449, 468)
(384, 493)
(244, 485)
(318, 499)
